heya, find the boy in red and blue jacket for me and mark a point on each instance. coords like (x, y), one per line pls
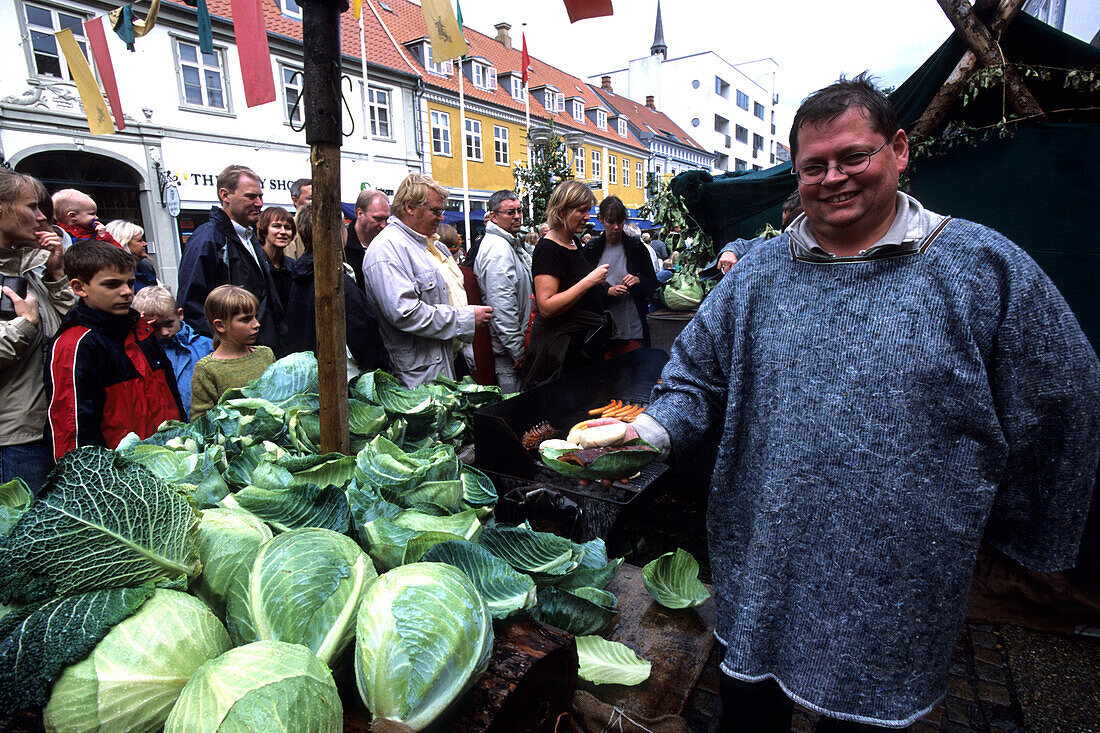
(106, 375)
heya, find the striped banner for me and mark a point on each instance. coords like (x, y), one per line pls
(97, 39)
(99, 119)
(255, 56)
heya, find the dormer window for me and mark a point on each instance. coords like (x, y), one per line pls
(578, 110)
(290, 9)
(601, 119)
(622, 127)
(484, 76)
(445, 68)
(553, 101)
(517, 88)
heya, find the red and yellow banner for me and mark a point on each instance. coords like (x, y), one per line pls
(99, 119)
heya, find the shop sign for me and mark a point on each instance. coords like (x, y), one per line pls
(172, 199)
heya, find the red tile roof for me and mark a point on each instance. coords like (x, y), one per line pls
(645, 117)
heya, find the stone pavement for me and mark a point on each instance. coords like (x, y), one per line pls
(1004, 679)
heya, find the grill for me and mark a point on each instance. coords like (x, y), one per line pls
(550, 501)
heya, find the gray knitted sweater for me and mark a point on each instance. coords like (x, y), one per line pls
(876, 418)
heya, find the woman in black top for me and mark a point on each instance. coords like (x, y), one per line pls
(568, 290)
(276, 231)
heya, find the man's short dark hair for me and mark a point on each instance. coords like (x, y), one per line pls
(230, 177)
(367, 197)
(612, 208)
(296, 187)
(83, 261)
(827, 104)
(500, 197)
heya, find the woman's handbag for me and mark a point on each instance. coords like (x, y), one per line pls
(598, 341)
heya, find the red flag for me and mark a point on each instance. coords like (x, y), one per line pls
(525, 60)
(581, 9)
(255, 56)
(97, 39)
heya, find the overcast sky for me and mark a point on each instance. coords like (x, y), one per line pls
(812, 41)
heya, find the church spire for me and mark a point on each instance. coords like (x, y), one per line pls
(659, 46)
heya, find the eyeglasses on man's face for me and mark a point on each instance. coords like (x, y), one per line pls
(510, 212)
(437, 211)
(851, 164)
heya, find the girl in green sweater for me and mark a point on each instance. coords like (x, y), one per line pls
(231, 312)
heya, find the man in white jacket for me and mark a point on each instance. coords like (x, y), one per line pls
(503, 271)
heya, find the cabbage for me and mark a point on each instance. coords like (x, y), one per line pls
(405, 537)
(133, 676)
(15, 497)
(604, 662)
(423, 637)
(268, 686)
(673, 580)
(228, 542)
(504, 590)
(304, 587)
(683, 292)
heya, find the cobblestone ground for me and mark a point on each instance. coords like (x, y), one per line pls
(983, 694)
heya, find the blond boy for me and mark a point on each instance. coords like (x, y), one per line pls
(183, 346)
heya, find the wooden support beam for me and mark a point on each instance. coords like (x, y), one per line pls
(981, 41)
(934, 114)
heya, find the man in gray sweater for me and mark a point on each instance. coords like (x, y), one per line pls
(890, 386)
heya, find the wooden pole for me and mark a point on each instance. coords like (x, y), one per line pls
(322, 92)
(981, 41)
(936, 111)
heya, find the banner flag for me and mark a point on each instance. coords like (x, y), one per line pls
(581, 9)
(97, 40)
(525, 60)
(99, 119)
(122, 22)
(140, 27)
(255, 56)
(206, 31)
(357, 7)
(443, 30)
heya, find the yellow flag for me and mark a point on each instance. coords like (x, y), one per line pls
(443, 30)
(99, 119)
(357, 7)
(141, 27)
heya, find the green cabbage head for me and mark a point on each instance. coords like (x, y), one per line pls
(304, 588)
(423, 637)
(268, 686)
(133, 676)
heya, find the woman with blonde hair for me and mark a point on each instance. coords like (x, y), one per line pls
(570, 328)
(131, 238)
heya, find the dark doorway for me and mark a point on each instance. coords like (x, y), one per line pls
(114, 186)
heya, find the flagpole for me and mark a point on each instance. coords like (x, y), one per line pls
(465, 159)
(527, 109)
(369, 142)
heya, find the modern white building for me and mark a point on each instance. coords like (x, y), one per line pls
(185, 115)
(729, 109)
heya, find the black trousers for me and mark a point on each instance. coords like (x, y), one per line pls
(763, 707)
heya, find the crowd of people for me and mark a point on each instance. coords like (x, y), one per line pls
(97, 346)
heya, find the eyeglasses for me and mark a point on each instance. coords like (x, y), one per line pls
(813, 173)
(436, 210)
(509, 212)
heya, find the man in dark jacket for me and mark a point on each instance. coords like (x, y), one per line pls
(225, 251)
(630, 280)
(372, 213)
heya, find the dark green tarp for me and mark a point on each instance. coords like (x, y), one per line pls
(1037, 186)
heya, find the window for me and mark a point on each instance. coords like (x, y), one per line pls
(622, 127)
(758, 110)
(201, 76)
(500, 144)
(517, 88)
(740, 165)
(292, 95)
(378, 102)
(757, 168)
(580, 162)
(42, 23)
(601, 119)
(290, 9)
(626, 172)
(639, 177)
(611, 169)
(578, 110)
(595, 163)
(722, 87)
(757, 142)
(548, 99)
(559, 102)
(741, 134)
(445, 68)
(742, 100)
(485, 77)
(473, 139)
(441, 133)
(721, 125)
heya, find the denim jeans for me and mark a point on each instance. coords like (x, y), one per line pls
(31, 462)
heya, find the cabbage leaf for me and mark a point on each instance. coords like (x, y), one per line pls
(15, 497)
(504, 590)
(612, 462)
(605, 662)
(673, 580)
(536, 553)
(228, 542)
(579, 611)
(100, 521)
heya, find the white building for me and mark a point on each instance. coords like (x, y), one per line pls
(729, 109)
(185, 116)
